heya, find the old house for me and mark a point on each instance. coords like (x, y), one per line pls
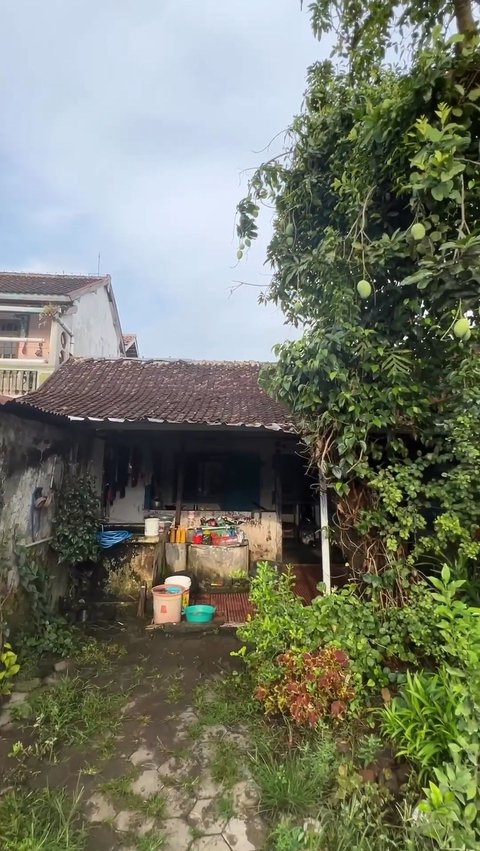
(46, 319)
(183, 439)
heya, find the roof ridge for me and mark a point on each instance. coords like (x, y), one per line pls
(195, 361)
(53, 274)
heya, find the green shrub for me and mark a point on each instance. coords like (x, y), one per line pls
(76, 520)
(54, 637)
(423, 719)
(451, 808)
(432, 626)
(280, 621)
(9, 668)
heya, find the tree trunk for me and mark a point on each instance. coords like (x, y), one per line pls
(464, 17)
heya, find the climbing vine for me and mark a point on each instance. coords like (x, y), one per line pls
(76, 520)
(376, 257)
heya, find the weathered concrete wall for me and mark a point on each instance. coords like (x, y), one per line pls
(215, 565)
(95, 334)
(33, 453)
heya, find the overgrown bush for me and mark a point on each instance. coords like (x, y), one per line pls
(434, 626)
(46, 633)
(310, 687)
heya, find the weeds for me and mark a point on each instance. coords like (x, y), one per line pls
(41, 821)
(95, 653)
(196, 833)
(120, 791)
(225, 762)
(72, 712)
(295, 782)
(225, 807)
(152, 841)
(228, 701)
(368, 749)
(175, 690)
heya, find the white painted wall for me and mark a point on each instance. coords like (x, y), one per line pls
(95, 334)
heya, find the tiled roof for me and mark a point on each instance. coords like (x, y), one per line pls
(128, 339)
(36, 283)
(130, 345)
(163, 391)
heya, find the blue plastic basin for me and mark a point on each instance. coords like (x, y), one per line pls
(199, 614)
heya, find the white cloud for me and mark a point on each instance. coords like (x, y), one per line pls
(127, 126)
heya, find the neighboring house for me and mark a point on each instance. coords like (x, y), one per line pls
(189, 438)
(45, 319)
(130, 344)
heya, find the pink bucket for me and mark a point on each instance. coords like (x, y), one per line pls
(167, 603)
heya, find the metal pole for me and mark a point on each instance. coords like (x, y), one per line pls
(324, 531)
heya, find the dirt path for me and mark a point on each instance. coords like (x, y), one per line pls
(166, 780)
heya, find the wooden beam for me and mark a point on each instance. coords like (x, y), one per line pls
(180, 480)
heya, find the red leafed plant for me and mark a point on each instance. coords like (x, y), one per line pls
(310, 686)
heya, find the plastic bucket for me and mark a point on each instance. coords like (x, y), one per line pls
(152, 527)
(200, 614)
(167, 603)
(184, 583)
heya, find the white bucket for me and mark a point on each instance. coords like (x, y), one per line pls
(181, 582)
(152, 527)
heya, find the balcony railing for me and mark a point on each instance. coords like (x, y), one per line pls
(17, 381)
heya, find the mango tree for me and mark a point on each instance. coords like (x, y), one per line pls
(376, 256)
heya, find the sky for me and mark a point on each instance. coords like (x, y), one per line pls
(126, 129)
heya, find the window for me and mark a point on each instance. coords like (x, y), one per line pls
(9, 329)
(231, 481)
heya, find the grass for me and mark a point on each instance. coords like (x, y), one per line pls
(152, 841)
(175, 690)
(196, 833)
(94, 653)
(228, 701)
(226, 762)
(120, 791)
(294, 782)
(224, 805)
(73, 712)
(41, 821)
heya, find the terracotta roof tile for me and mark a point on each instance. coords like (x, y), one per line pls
(36, 283)
(130, 344)
(196, 392)
(128, 339)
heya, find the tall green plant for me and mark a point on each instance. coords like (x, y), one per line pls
(376, 256)
(76, 520)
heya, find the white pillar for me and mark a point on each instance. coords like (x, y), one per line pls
(324, 531)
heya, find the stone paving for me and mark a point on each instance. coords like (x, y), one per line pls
(195, 819)
(155, 790)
